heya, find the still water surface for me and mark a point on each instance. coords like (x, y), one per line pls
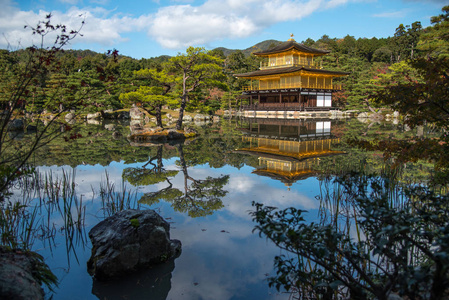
(274, 163)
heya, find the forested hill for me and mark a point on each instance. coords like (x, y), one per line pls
(265, 45)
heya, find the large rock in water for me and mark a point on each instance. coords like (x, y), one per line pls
(21, 275)
(128, 241)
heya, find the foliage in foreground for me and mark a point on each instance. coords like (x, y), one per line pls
(419, 90)
(380, 240)
(23, 91)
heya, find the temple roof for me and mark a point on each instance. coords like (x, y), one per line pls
(287, 156)
(289, 45)
(288, 179)
(287, 70)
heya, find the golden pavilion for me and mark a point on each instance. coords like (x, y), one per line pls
(289, 78)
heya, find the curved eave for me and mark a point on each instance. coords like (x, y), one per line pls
(287, 156)
(284, 177)
(327, 72)
(289, 70)
(291, 49)
(290, 45)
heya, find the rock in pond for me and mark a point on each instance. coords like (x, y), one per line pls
(96, 115)
(70, 117)
(22, 273)
(187, 118)
(128, 241)
(16, 125)
(159, 135)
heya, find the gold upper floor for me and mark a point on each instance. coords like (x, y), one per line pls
(290, 59)
(292, 81)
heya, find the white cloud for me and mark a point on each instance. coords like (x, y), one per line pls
(241, 183)
(101, 26)
(175, 27)
(391, 14)
(179, 26)
(72, 2)
(335, 3)
(444, 2)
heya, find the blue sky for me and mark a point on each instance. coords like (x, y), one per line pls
(157, 27)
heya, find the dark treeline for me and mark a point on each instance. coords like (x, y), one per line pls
(73, 69)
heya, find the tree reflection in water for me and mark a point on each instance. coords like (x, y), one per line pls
(198, 198)
(201, 197)
(378, 237)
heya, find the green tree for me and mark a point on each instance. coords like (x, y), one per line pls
(414, 32)
(195, 69)
(400, 245)
(367, 47)
(151, 98)
(309, 42)
(383, 54)
(38, 64)
(405, 40)
(39, 82)
(435, 40)
(399, 41)
(347, 45)
(418, 89)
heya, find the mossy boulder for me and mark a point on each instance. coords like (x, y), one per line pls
(161, 135)
(128, 241)
(22, 273)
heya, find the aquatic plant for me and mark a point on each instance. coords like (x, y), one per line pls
(376, 238)
(114, 201)
(29, 213)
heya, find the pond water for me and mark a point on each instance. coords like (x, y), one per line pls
(204, 188)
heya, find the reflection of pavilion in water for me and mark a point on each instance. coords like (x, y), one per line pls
(288, 150)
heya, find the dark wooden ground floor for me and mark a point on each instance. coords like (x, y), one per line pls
(293, 99)
(286, 107)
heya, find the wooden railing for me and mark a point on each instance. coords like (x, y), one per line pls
(285, 106)
(295, 86)
(266, 65)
